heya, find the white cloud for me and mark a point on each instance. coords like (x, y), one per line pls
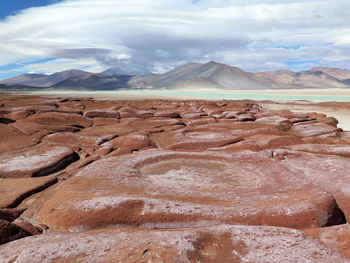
(55, 65)
(157, 35)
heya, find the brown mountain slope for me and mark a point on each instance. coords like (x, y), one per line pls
(285, 79)
(42, 80)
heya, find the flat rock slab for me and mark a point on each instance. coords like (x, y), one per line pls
(12, 139)
(59, 118)
(156, 188)
(129, 143)
(39, 160)
(195, 138)
(151, 124)
(278, 121)
(13, 190)
(101, 114)
(336, 237)
(313, 129)
(265, 141)
(31, 128)
(72, 140)
(329, 172)
(224, 243)
(107, 131)
(53, 122)
(340, 150)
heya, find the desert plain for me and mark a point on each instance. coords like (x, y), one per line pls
(119, 179)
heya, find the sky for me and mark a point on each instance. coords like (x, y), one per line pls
(157, 35)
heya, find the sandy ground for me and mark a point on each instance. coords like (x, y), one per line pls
(342, 115)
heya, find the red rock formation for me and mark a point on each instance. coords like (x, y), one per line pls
(167, 189)
(223, 243)
(12, 139)
(14, 190)
(38, 160)
(336, 237)
(224, 162)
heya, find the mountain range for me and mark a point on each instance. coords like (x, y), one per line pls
(189, 76)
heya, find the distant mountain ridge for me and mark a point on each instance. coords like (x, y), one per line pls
(314, 78)
(190, 76)
(126, 69)
(43, 80)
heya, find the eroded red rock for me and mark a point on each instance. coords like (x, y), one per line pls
(53, 122)
(18, 114)
(194, 138)
(167, 114)
(14, 190)
(107, 132)
(313, 129)
(327, 171)
(38, 160)
(32, 128)
(294, 174)
(12, 139)
(129, 143)
(171, 189)
(105, 121)
(10, 232)
(213, 244)
(72, 140)
(282, 123)
(336, 237)
(53, 118)
(102, 114)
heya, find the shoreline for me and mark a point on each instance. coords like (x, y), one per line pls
(323, 95)
(340, 112)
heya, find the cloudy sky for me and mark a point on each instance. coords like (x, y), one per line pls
(157, 35)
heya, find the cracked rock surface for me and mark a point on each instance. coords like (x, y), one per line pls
(84, 180)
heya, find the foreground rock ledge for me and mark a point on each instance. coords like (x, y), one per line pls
(158, 188)
(223, 243)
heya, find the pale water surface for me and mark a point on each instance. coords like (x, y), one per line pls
(203, 95)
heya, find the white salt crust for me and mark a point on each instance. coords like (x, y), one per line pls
(26, 160)
(88, 248)
(250, 243)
